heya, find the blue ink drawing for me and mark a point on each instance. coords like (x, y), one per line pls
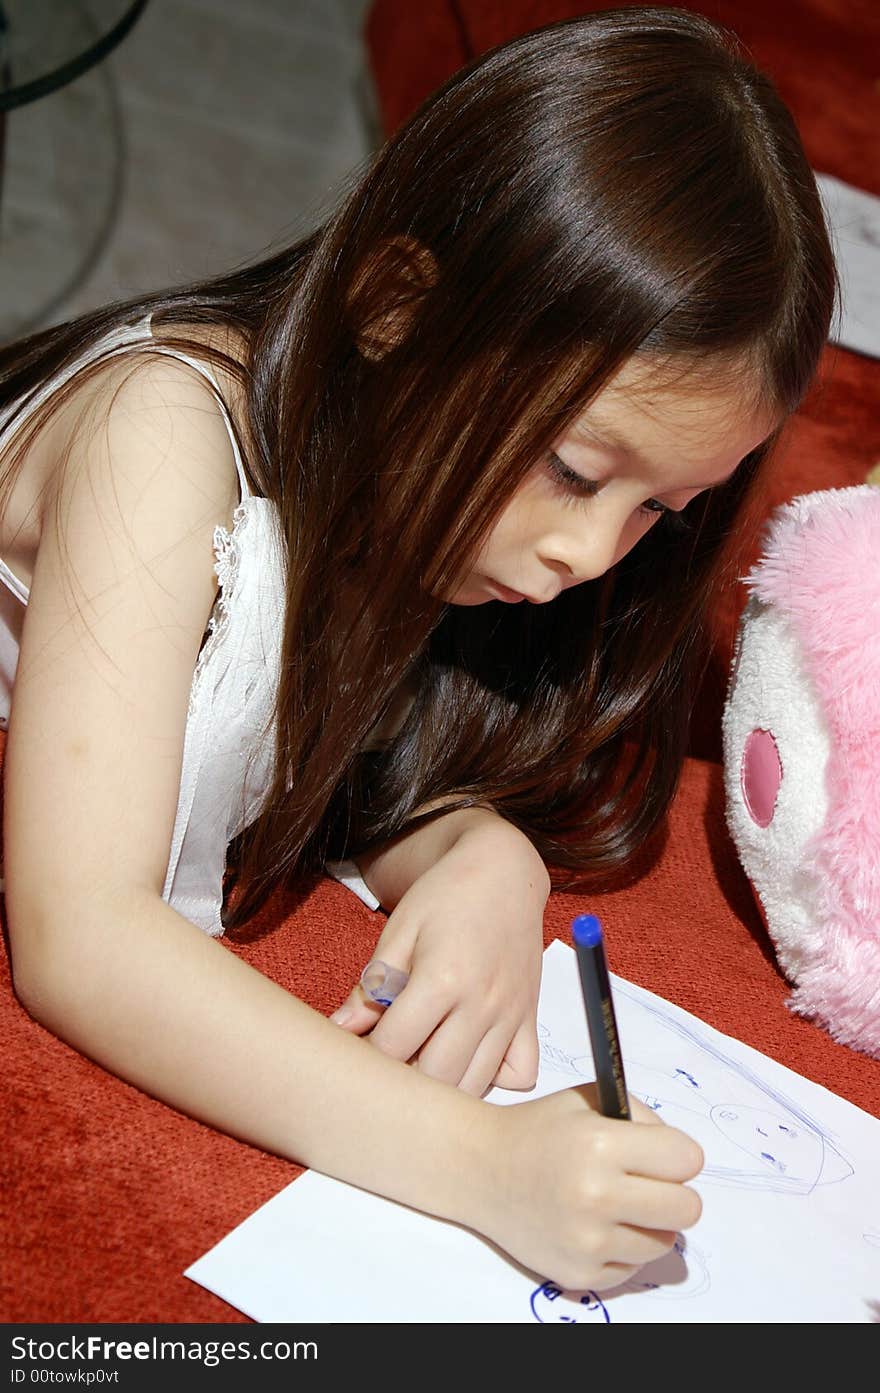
(551, 1305)
(679, 1275)
(752, 1135)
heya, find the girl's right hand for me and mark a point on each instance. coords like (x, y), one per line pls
(587, 1200)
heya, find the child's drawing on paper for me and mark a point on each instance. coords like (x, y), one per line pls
(751, 1134)
(678, 1275)
(550, 1305)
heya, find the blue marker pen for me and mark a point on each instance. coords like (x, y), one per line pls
(601, 1021)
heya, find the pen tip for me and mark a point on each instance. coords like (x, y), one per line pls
(586, 930)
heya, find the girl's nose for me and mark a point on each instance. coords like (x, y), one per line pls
(592, 548)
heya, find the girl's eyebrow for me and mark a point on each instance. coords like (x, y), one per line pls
(603, 436)
(612, 441)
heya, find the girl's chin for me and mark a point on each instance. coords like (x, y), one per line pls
(472, 590)
(469, 598)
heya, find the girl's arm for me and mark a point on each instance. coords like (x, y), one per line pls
(390, 870)
(122, 589)
(120, 598)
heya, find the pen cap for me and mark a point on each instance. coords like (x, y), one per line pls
(382, 983)
(586, 929)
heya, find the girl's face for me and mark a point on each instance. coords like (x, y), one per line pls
(645, 446)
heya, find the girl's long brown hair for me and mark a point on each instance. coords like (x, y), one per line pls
(619, 183)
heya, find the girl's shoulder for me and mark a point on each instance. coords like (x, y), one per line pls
(152, 394)
(173, 367)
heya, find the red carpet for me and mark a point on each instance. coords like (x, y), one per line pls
(109, 1194)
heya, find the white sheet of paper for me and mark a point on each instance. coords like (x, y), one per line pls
(790, 1230)
(854, 217)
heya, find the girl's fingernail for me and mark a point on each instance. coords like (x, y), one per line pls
(342, 1016)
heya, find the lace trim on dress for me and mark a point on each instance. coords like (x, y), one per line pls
(226, 565)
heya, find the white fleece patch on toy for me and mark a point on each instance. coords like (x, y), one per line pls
(771, 691)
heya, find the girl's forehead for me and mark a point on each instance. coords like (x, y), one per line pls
(678, 425)
(699, 403)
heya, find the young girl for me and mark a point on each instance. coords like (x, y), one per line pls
(463, 463)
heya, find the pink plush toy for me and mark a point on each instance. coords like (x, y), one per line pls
(802, 754)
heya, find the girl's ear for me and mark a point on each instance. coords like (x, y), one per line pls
(386, 293)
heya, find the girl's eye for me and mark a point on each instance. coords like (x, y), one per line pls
(652, 508)
(672, 521)
(588, 488)
(575, 483)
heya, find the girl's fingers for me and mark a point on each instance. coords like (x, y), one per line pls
(357, 1013)
(519, 1067)
(641, 1113)
(408, 1022)
(655, 1153)
(463, 1052)
(480, 1072)
(656, 1204)
(635, 1247)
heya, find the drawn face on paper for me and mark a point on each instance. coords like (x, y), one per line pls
(550, 1305)
(782, 1145)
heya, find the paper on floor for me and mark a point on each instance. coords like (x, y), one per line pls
(855, 230)
(790, 1229)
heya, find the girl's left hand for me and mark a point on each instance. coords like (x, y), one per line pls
(469, 931)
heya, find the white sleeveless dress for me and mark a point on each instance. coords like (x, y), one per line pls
(229, 741)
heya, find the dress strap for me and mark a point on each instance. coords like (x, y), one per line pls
(12, 582)
(117, 341)
(205, 371)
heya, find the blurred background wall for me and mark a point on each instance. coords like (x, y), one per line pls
(214, 131)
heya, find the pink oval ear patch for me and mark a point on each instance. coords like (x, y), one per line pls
(760, 776)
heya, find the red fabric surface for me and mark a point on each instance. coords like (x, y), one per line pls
(822, 55)
(109, 1194)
